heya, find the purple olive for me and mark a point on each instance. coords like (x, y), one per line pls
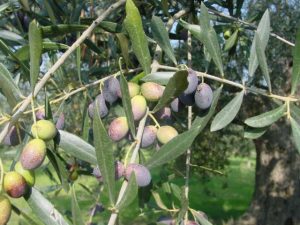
(149, 136)
(103, 110)
(203, 96)
(176, 105)
(187, 99)
(192, 82)
(111, 90)
(142, 174)
(14, 137)
(164, 114)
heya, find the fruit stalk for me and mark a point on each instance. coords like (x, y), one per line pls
(114, 215)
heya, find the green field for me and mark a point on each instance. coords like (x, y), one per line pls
(221, 198)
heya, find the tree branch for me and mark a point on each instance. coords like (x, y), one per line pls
(58, 63)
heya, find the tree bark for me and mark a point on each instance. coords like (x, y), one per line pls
(276, 199)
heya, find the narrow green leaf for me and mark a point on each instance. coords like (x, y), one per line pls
(200, 122)
(253, 133)
(104, 152)
(76, 213)
(35, 51)
(194, 29)
(228, 113)
(8, 87)
(263, 31)
(296, 64)
(295, 112)
(9, 52)
(23, 52)
(172, 149)
(44, 209)
(77, 147)
(126, 101)
(130, 193)
(231, 41)
(176, 85)
(296, 133)
(11, 36)
(133, 25)
(60, 169)
(159, 77)
(161, 36)
(209, 38)
(124, 45)
(159, 202)
(261, 57)
(200, 218)
(266, 118)
(4, 6)
(48, 110)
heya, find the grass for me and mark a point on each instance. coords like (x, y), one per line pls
(221, 198)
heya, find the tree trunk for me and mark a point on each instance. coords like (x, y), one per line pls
(276, 200)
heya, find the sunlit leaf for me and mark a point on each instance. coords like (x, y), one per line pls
(77, 147)
(8, 86)
(76, 213)
(159, 77)
(228, 113)
(35, 51)
(126, 101)
(296, 64)
(209, 38)
(263, 31)
(104, 152)
(129, 194)
(261, 57)
(44, 209)
(134, 27)
(161, 36)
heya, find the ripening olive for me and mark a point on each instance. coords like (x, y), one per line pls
(139, 107)
(152, 91)
(192, 82)
(14, 184)
(103, 110)
(166, 133)
(176, 105)
(111, 90)
(149, 136)
(33, 154)
(5, 209)
(134, 89)
(44, 129)
(203, 96)
(142, 174)
(118, 128)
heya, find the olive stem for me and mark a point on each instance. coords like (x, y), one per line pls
(114, 215)
(241, 86)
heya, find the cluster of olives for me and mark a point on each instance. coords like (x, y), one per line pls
(17, 183)
(141, 97)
